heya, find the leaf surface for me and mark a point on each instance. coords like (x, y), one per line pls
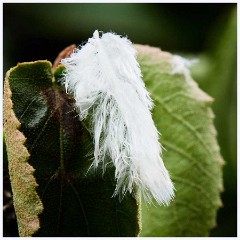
(71, 200)
(183, 116)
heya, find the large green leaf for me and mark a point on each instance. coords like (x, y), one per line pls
(51, 139)
(183, 116)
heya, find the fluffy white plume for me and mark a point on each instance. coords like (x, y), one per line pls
(105, 79)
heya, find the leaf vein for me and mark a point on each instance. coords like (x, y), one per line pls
(186, 155)
(194, 186)
(43, 128)
(186, 124)
(81, 205)
(27, 108)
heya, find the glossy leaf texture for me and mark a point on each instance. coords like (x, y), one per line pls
(61, 197)
(184, 118)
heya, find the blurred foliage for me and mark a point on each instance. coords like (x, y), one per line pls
(206, 31)
(219, 78)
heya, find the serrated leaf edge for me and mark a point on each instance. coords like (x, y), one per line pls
(24, 182)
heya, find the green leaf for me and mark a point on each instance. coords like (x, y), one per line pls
(60, 148)
(183, 116)
(50, 139)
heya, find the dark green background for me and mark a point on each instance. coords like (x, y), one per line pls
(208, 31)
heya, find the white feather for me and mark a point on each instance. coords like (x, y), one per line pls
(105, 78)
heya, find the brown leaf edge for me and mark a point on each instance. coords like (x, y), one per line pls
(26, 201)
(66, 52)
(156, 55)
